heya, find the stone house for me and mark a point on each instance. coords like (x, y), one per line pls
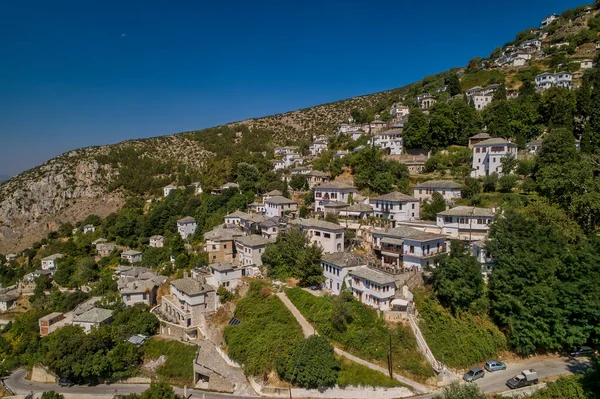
(186, 226)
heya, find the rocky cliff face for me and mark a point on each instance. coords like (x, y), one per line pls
(74, 185)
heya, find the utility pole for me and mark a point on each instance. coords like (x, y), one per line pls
(390, 360)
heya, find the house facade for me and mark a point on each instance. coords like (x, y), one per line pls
(227, 274)
(419, 251)
(332, 191)
(49, 262)
(395, 206)
(488, 154)
(250, 249)
(448, 189)
(329, 236)
(372, 287)
(465, 221)
(157, 241)
(336, 267)
(560, 79)
(220, 245)
(131, 256)
(278, 206)
(94, 317)
(186, 226)
(390, 141)
(317, 147)
(481, 100)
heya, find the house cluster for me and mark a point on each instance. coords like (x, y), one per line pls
(86, 315)
(562, 79)
(481, 96)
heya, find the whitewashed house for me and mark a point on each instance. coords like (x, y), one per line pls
(465, 222)
(399, 111)
(278, 164)
(316, 178)
(534, 146)
(336, 267)
(49, 262)
(549, 19)
(157, 241)
(448, 189)
(318, 147)
(395, 206)
(226, 274)
(293, 159)
(132, 256)
(329, 236)
(89, 228)
(586, 64)
(167, 189)
(481, 100)
(357, 135)
(488, 154)
(250, 249)
(186, 226)
(235, 218)
(390, 141)
(372, 287)
(278, 206)
(560, 79)
(94, 317)
(333, 191)
(419, 251)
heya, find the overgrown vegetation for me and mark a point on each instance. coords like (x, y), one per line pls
(459, 341)
(358, 329)
(179, 356)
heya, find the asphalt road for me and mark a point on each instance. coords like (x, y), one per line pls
(20, 386)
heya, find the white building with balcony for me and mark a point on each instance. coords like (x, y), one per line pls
(278, 206)
(329, 236)
(395, 206)
(419, 251)
(488, 154)
(390, 141)
(560, 79)
(336, 267)
(332, 191)
(372, 287)
(465, 222)
(448, 189)
(549, 19)
(318, 147)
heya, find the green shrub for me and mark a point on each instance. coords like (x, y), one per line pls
(460, 341)
(354, 374)
(359, 330)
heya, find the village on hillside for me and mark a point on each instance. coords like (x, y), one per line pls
(210, 285)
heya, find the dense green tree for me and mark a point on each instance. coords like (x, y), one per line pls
(312, 364)
(86, 270)
(471, 188)
(416, 132)
(500, 93)
(431, 208)
(508, 163)
(467, 122)
(299, 182)
(291, 256)
(52, 395)
(457, 278)
(453, 84)
(441, 125)
(159, 390)
(461, 391)
(507, 183)
(490, 183)
(247, 176)
(558, 107)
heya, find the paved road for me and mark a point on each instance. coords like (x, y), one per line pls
(20, 386)
(309, 330)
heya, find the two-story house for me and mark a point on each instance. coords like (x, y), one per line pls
(186, 226)
(279, 206)
(250, 249)
(132, 256)
(226, 274)
(235, 218)
(157, 241)
(317, 147)
(105, 249)
(49, 262)
(329, 236)
(182, 313)
(219, 243)
(167, 189)
(316, 178)
(448, 189)
(465, 222)
(336, 267)
(390, 141)
(395, 206)
(332, 191)
(388, 246)
(372, 287)
(419, 251)
(139, 285)
(278, 164)
(488, 154)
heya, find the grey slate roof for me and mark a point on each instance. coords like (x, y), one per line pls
(53, 257)
(344, 259)
(187, 219)
(392, 241)
(358, 207)
(272, 193)
(94, 315)
(222, 266)
(373, 275)
(494, 141)
(398, 232)
(221, 233)
(335, 185)
(253, 240)
(336, 204)
(279, 200)
(467, 211)
(190, 286)
(438, 184)
(481, 135)
(131, 252)
(425, 237)
(319, 224)
(317, 173)
(237, 214)
(395, 197)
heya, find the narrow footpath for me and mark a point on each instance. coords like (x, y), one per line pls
(309, 330)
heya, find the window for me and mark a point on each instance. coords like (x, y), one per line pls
(318, 233)
(413, 206)
(338, 235)
(420, 191)
(326, 235)
(412, 249)
(224, 246)
(443, 192)
(214, 247)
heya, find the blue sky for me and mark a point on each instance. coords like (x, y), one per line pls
(79, 73)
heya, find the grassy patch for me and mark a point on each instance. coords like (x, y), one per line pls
(363, 334)
(460, 341)
(178, 368)
(354, 374)
(480, 78)
(268, 332)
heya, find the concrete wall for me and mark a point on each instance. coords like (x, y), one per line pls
(517, 393)
(332, 393)
(43, 375)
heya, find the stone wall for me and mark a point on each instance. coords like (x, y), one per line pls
(43, 375)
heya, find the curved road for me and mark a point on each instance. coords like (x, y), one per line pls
(20, 386)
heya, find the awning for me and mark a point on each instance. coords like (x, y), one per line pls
(390, 254)
(393, 241)
(399, 302)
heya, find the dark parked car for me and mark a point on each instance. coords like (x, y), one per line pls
(65, 382)
(494, 365)
(525, 379)
(474, 374)
(582, 351)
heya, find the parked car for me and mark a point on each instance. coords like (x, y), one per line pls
(526, 378)
(494, 365)
(65, 382)
(582, 351)
(474, 374)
